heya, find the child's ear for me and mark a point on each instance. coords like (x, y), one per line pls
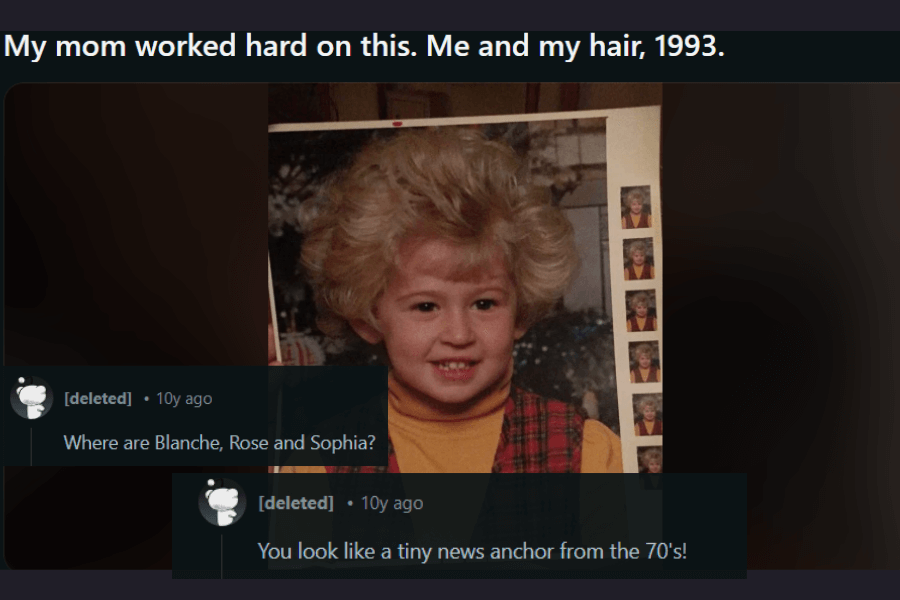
(364, 330)
(518, 332)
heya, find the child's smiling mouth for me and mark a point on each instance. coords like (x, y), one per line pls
(460, 369)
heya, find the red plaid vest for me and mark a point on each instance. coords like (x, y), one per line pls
(657, 428)
(537, 436)
(645, 274)
(649, 324)
(652, 376)
(642, 222)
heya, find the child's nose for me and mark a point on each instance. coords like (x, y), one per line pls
(459, 329)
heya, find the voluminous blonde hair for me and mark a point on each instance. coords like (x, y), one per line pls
(453, 184)
(640, 298)
(635, 194)
(637, 246)
(652, 401)
(651, 455)
(642, 350)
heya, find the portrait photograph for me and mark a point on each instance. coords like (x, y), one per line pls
(469, 255)
(636, 211)
(648, 414)
(639, 259)
(641, 311)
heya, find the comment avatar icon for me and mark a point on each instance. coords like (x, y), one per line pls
(222, 502)
(31, 398)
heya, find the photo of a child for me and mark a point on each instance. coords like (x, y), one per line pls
(642, 311)
(639, 259)
(432, 248)
(645, 363)
(636, 207)
(651, 459)
(648, 418)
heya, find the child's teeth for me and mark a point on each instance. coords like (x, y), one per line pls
(453, 365)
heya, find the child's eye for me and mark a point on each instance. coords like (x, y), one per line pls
(425, 306)
(485, 304)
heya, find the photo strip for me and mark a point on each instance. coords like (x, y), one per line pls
(565, 348)
(637, 292)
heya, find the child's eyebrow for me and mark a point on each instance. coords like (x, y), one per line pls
(492, 286)
(426, 292)
(415, 293)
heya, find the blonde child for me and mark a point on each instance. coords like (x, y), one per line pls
(636, 217)
(431, 249)
(647, 423)
(645, 371)
(651, 461)
(639, 267)
(641, 321)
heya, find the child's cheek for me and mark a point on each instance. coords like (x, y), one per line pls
(415, 335)
(501, 326)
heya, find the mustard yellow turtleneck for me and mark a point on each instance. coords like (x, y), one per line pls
(639, 271)
(636, 220)
(645, 375)
(429, 441)
(641, 323)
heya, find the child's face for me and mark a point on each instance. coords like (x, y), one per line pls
(450, 339)
(636, 206)
(637, 257)
(641, 310)
(654, 466)
(644, 361)
(649, 413)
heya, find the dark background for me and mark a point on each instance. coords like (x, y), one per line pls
(131, 224)
(779, 214)
(779, 234)
(132, 220)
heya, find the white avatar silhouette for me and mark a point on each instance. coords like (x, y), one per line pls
(223, 500)
(32, 396)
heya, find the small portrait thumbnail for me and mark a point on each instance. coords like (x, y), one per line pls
(645, 367)
(650, 459)
(648, 414)
(639, 259)
(641, 310)
(636, 207)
